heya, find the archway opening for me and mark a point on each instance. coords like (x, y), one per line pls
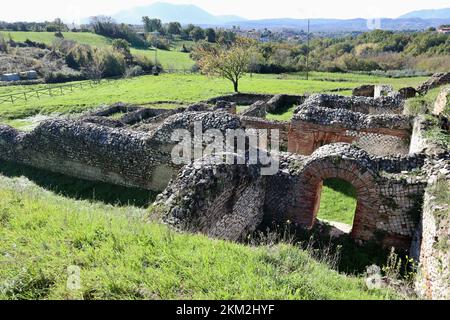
(338, 202)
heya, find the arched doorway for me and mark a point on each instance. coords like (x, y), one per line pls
(338, 200)
(309, 188)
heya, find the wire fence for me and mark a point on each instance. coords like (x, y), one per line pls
(47, 91)
(67, 88)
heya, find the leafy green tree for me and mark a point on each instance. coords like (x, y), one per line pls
(210, 35)
(152, 25)
(174, 28)
(197, 34)
(229, 62)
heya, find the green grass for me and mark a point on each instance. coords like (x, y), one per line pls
(169, 59)
(49, 37)
(338, 201)
(123, 257)
(146, 89)
(422, 104)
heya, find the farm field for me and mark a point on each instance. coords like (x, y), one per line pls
(190, 88)
(173, 59)
(124, 256)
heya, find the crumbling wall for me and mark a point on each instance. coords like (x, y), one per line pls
(387, 210)
(419, 142)
(221, 201)
(102, 153)
(433, 243)
(364, 91)
(281, 102)
(442, 101)
(365, 105)
(243, 99)
(257, 110)
(258, 123)
(313, 127)
(436, 80)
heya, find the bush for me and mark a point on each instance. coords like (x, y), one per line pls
(78, 56)
(158, 42)
(61, 77)
(113, 63)
(3, 45)
(144, 62)
(105, 26)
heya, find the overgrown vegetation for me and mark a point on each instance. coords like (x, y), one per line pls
(422, 104)
(437, 132)
(441, 191)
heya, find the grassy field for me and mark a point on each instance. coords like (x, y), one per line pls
(173, 59)
(338, 201)
(189, 88)
(121, 256)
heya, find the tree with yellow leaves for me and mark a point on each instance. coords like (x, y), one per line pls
(227, 61)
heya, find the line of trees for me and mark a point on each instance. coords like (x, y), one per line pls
(49, 26)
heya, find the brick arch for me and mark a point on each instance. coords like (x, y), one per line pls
(310, 186)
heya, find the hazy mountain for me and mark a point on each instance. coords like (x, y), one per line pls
(417, 20)
(171, 12)
(428, 14)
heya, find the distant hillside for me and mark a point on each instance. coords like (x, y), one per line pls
(167, 12)
(336, 25)
(185, 14)
(428, 14)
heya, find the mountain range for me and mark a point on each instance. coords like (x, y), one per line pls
(167, 12)
(185, 14)
(428, 14)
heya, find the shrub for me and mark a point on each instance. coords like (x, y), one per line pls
(134, 71)
(61, 77)
(144, 62)
(113, 63)
(3, 45)
(158, 42)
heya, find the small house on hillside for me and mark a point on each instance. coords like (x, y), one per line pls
(10, 77)
(27, 75)
(444, 29)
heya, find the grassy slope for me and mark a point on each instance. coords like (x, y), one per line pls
(121, 257)
(168, 59)
(189, 88)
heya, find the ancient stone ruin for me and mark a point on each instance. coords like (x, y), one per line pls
(365, 140)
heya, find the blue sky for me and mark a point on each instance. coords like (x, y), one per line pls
(72, 11)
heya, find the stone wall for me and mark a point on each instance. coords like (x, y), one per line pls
(281, 102)
(101, 153)
(387, 210)
(365, 105)
(257, 110)
(258, 123)
(313, 127)
(442, 101)
(433, 241)
(437, 80)
(218, 200)
(419, 142)
(243, 99)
